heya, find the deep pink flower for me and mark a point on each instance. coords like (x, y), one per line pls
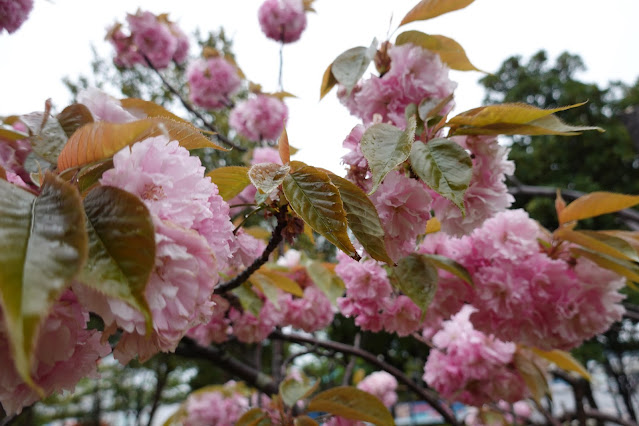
(259, 118)
(65, 352)
(212, 82)
(282, 20)
(309, 313)
(13, 13)
(153, 38)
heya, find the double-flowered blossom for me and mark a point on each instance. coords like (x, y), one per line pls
(381, 384)
(212, 82)
(104, 107)
(259, 118)
(13, 13)
(282, 20)
(193, 242)
(415, 74)
(487, 193)
(472, 367)
(154, 37)
(219, 407)
(65, 352)
(13, 154)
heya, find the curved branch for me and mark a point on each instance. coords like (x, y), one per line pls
(276, 239)
(192, 110)
(427, 396)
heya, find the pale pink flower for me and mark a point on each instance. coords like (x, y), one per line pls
(65, 352)
(216, 330)
(212, 82)
(182, 48)
(402, 316)
(13, 154)
(13, 13)
(471, 367)
(487, 193)
(282, 20)
(381, 384)
(266, 155)
(250, 329)
(259, 118)
(217, 407)
(415, 74)
(403, 205)
(309, 313)
(104, 107)
(245, 249)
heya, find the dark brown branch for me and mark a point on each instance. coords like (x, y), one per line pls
(192, 110)
(264, 383)
(424, 394)
(598, 415)
(276, 238)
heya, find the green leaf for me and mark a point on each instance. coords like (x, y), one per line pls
(267, 288)
(385, 147)
(43, 246)
(73, 117)
(317, 201)
(596, 204)
(328, 81)
(249, 300)
(430, 108)
(47, 135)
(450, 52)
(427, 9)
(416, 277)
(449, 265)
(266, 177)
(121, 247)
(445, 166)
(230, 180)
(292, 390)
(352, 403)
(362, 218)
(351, 65)
(326, 280)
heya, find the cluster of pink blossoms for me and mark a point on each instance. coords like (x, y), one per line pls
(259, 118)
(472, 367)
(282, 20)
(371, 301)
(13, 13)
(522, 294)
(415, 74)
(212, 82)
(13, 154)
(65, 353)
(221, 407)
(150, 36)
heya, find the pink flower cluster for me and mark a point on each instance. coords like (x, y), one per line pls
(311, 312)
(487, 193)
(212, 82)
(472, 367)
(415, 74)
(521, 293)
(65, 352)
(381, 384)
(13, 13)
(259, 118)
(221, 407)
(155, 37)
(370, 299)
(282, 20)
(13, 154)
(104, 107)
(193, 242)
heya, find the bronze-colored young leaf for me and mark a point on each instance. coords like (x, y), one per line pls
(143, 109)
(292, 390)
(326, 280)
(11, 134)
(189, 136)
(47, 135)
(362, 218)
(630, 270)
(449, 265)
(284, 148)
(427, 9)
(444, 166)
(230, 180)
(351, 65)
(328, 81)
(121, 247)
(304, 421)
(353, 404)
(450, 52)
(317, 201)
(3, 173)
(252, 417)
(416, 277)
(598, 242)
(281, 281)
(431, 108)
(533, 376)
(73, 117)
(266, 177)
(596, 204)
(43, 246)
(563, 360)
(385, 147)
(89, 176)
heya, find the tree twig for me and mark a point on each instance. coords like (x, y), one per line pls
(432, 399)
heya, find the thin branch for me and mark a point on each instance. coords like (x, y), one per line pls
(598, 415)
(276, 237)
(192, 110)
(432, 399)
(348, 372)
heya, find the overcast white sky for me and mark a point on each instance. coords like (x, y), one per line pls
(56, 40)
